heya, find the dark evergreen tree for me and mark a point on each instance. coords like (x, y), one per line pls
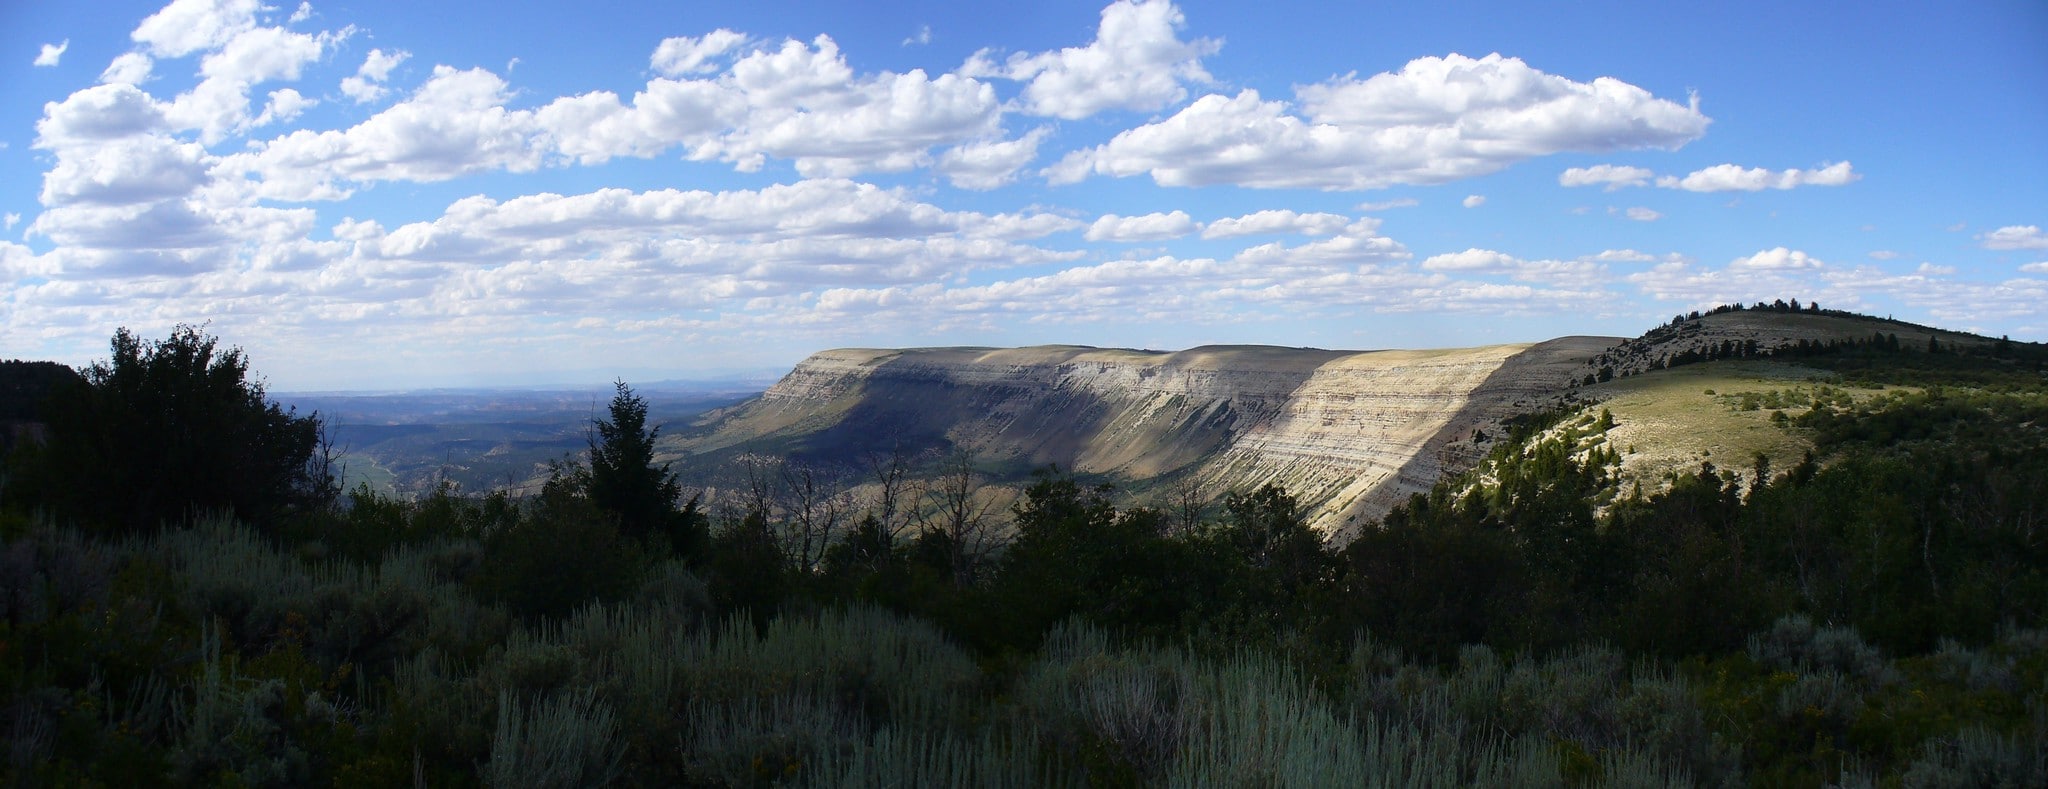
(1076, 554)
(25, 385)
(625, 484)
(748, 571)
(169, 429)
(561, 555)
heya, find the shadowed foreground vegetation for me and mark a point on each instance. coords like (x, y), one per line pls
(1876, 615)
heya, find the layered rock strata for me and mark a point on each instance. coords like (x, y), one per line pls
(1349, 432)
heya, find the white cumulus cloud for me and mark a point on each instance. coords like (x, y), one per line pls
(1608, 175)
(1149, 227)
(847, 125)
(188, 26)
(130, 67)
(1775, 259)
(595, 127)
(1641, 214)
(1435, 121)
(1733, 178)
(1470, 260)
(1582, 273)
(219, 105)
(1276, 221)
(1473, 201)
(367, 83)
(682, 55)
(101, 112)
(796, 101)
(138, 169)
(285, 104)
(1137, 62)
(989, 164)
(1625, 256)
(51, 53)
(20, 261)
(799, 101)
(2015, 237)
(455, 123)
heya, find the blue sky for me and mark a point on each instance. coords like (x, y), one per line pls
(379, 195)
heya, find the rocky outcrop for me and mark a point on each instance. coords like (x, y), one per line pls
(1349, 432)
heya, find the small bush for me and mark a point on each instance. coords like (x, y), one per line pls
(561, 739)
(562, 555)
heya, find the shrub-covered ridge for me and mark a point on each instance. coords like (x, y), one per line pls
(1873, 615)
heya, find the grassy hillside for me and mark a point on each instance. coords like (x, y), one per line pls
(1675, 408)
(1726, 413)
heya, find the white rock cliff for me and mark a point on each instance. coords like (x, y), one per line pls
(1350, 433)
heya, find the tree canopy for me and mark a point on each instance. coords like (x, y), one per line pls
(166, 429)
(626, 484)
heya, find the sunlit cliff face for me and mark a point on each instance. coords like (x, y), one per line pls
(1349, 432)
